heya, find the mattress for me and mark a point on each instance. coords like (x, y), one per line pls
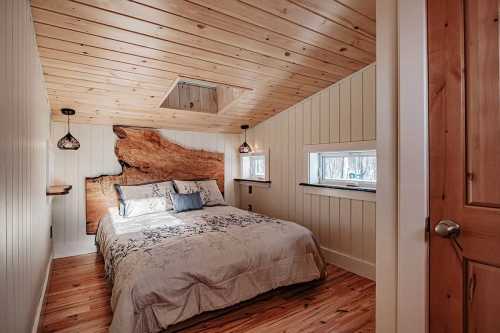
(169, 267)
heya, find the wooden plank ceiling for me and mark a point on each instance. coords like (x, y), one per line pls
(114, 60)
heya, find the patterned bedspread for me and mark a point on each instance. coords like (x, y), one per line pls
(167, 267)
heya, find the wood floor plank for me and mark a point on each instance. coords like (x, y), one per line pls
(78, 300)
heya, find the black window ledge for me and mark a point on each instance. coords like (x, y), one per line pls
(337, 187)
(252, 180)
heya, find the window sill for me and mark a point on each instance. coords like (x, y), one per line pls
(253, 182)
(339, 187)
(357, 193)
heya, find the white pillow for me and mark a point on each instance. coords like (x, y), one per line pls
(210, 193)
(137, 207)
(145, 199)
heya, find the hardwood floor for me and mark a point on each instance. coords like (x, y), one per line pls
(78, 300)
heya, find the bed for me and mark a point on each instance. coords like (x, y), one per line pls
(168, 267)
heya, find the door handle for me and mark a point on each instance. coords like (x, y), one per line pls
(447, 229)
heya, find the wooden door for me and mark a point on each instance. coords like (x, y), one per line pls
(464, 138)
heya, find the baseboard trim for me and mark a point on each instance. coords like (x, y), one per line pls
(349, 263)
(37, 323)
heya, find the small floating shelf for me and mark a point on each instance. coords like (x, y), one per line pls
(58, 189)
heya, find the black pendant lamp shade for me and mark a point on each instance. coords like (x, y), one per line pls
(245, 147)
(68, 142)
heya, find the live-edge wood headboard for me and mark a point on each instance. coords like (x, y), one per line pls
(147, 157)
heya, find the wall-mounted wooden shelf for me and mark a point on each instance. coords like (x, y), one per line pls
(58, 189)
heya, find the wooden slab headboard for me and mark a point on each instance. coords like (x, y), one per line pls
(147, 157)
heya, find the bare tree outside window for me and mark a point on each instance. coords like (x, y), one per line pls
(353, 168)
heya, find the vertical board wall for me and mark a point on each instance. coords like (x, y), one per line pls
(96, 157)
(343, 112)
(25, 245)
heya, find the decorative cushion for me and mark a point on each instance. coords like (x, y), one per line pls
(209, 191)
(185, 202)
(186, 187)
(145, 198)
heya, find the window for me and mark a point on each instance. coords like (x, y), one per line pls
(253, 166)
(257, 167)
(344, 168)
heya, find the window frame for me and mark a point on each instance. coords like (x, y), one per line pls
(251, 171)
(358, 183)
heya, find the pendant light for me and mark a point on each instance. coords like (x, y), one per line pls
(68, 142)
(245, 147)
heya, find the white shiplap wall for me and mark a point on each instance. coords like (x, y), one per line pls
(343, 112)
(96, 157)
(25, 246)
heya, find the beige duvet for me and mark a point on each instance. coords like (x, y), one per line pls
(167, 267)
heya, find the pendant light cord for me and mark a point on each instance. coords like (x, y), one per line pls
(68, 124)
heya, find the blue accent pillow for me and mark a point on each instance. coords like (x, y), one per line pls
(188, 201)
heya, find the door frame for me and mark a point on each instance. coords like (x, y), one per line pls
(402, 183)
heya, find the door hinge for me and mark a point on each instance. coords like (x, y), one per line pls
(50, 231)
(427, 228)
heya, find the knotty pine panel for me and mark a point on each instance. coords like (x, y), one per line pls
(284, 51)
